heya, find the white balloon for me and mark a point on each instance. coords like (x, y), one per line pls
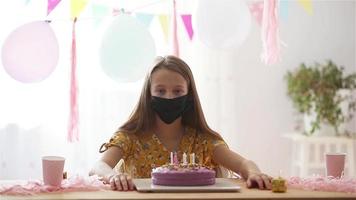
(222, 24)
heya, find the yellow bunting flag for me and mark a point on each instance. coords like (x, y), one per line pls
(307, 5)
(76, 7)
(164, 20)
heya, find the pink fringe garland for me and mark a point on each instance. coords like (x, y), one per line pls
(327, 184)
(73, 132)
(175, 44)
(270, 35)
(74, 184)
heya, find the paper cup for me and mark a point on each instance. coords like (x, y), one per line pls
(335, 164)
(52, 167)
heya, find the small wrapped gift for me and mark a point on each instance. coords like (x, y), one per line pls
(279, 185)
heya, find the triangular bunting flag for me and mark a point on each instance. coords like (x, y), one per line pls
(256, 10)
(164, 20)
(283, 9)
(307, 5)
(51, 4)
(187, 21)
(144, 18)
(99, 11)
(76, 7)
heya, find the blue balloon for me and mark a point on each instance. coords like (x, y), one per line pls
(127, 49)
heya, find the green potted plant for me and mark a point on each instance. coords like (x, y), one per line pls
(323, 93)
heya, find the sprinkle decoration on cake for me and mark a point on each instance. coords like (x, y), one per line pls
(183, 174)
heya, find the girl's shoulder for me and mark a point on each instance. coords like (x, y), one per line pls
(136, 137)
(125, 135)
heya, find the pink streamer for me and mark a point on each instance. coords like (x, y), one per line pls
(75, 184)
(175, 35)
(256, 9)
(270, 36)
(187, 20)
(73, 132)
(328, 184)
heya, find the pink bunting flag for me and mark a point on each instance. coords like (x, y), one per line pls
(73, 131)
(51, 4)
(187, 21)
(256, 9)
(270, 35)
(175, 45)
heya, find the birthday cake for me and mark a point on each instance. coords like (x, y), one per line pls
(182, 174)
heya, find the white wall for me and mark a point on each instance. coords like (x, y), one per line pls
(246, 100)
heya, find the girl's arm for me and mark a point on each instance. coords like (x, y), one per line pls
(246, 168)
(104, 169)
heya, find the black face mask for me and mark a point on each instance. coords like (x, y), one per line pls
(171, 109)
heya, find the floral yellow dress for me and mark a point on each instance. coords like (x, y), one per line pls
(142, 153)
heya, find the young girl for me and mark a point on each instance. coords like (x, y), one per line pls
(169, 118)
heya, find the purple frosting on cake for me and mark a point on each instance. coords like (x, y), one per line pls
(182, 176)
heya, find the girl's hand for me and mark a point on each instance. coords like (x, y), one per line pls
(260, 180)
(121, 182)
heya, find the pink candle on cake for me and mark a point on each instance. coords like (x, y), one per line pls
(171, 158)
(175, 157)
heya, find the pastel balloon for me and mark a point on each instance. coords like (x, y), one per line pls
(30, 53)
(127, 49)
(222, 24)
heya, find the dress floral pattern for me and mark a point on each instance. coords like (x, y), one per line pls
(142, 153)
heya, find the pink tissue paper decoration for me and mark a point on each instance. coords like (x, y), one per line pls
(270, 35)
(73, 132)
(328, 184)
(175, 45)
(256, 9)
(74, 184)
(187, 21)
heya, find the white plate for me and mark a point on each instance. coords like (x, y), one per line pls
(221, 185)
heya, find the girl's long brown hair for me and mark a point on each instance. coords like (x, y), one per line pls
(142, 118)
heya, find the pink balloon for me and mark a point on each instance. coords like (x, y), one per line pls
(30, 53)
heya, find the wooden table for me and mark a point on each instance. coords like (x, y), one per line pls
(243, 194)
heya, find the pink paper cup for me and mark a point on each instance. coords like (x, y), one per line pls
(335, 164)
(52, 168)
